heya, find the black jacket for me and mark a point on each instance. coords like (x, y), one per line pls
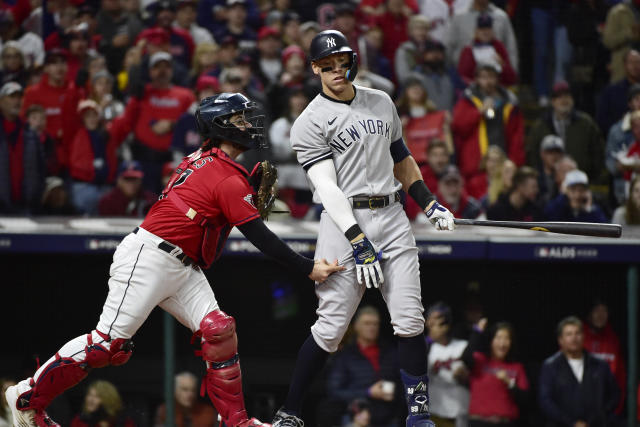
(564, 401)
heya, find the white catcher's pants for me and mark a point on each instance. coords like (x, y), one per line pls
(142, 277)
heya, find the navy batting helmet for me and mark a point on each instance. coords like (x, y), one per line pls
(329, 42)
(213, 120)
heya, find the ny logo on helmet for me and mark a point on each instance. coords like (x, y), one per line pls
(331, 42)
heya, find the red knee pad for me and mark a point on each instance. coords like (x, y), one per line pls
(98, 356)
(219, 339)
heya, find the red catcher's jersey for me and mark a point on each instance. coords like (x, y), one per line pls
(217, 188)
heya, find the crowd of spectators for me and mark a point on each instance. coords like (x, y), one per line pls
(97, 97)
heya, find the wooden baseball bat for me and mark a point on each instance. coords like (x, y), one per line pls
(579, 228)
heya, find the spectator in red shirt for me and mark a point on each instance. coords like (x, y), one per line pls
(189, 410)
(128, 198)
(394, 24)
(453, 197)
(498, 383)
(92, 163)
(76, 41)
(487, 114)
(50, 92)
(602, 342)
(152, 117)
(485, 47)
(102, 407)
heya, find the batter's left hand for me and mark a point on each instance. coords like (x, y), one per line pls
(440, 216)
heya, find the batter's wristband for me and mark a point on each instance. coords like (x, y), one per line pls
(421, 194)
(353, 232)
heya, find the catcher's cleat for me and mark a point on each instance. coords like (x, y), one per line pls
(253, 423)
(282, 419)
(28, 417)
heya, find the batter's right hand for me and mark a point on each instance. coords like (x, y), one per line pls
(368, 262)
(322, 270)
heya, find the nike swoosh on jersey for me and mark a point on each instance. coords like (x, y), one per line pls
(331, 121)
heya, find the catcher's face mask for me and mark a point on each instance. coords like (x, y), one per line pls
(245, 128)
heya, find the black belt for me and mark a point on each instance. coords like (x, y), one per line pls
(375, 202)
(168, 248)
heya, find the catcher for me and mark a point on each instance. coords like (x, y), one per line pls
(160, 263)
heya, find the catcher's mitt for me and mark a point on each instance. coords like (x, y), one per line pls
(263, 179)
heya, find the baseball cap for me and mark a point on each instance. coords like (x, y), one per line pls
(575, 177)
(290, 16)
(451, 172)
(87, 104)
(130, 169)
(207, 82)
(155, 36)
(268, 32)
(489, 65)
(345, 9)
(309, 25)
(292, 50)
(55, 53)
(552, 142)
(484, 21)
(432, 45)
(227, 40)
(163, 5)
(560, 88)
(10, 88)
(159, 57)
(231, 3)
(101, 74)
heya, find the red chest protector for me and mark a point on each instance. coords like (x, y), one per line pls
(214, 234)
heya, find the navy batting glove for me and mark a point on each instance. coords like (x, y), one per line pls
(367, 262)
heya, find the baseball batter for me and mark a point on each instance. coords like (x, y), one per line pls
(160, 263)
(349, 141)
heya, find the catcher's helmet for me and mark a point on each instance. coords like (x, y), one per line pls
(329, 42)
(213, 120)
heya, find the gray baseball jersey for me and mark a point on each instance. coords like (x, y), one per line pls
(357, 135)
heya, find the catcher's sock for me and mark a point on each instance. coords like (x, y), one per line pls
(311, 360)
(412, 355)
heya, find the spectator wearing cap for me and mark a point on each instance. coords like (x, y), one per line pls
(551, 150)
(186, 14)
(294, 75)
(620, 34)
(119, 29)
(442, 82)
(22, 159)
(518, 203)
(151, 117)
(580, 134)
(449, 398)
(367, 368)
(452, 195)
(12, 64)
(486, 114)
(50, 92)
(613, 100)
(151, 41)
(55, 198)
(269, 64)
(308, 31)
(575, 204)
(440, 13)
(181, 44)
(293, 188)
(422, 121)
(237, 26)
(345, 22)
(212, 14)
(291, 28)
(407, 54)
(603, 343)
(486, 48)
(462, 30)
(186, 138)
(76, 41)
(498, 383)
(128, 198)
(619, 139)
(93, 159)
(576, 388)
